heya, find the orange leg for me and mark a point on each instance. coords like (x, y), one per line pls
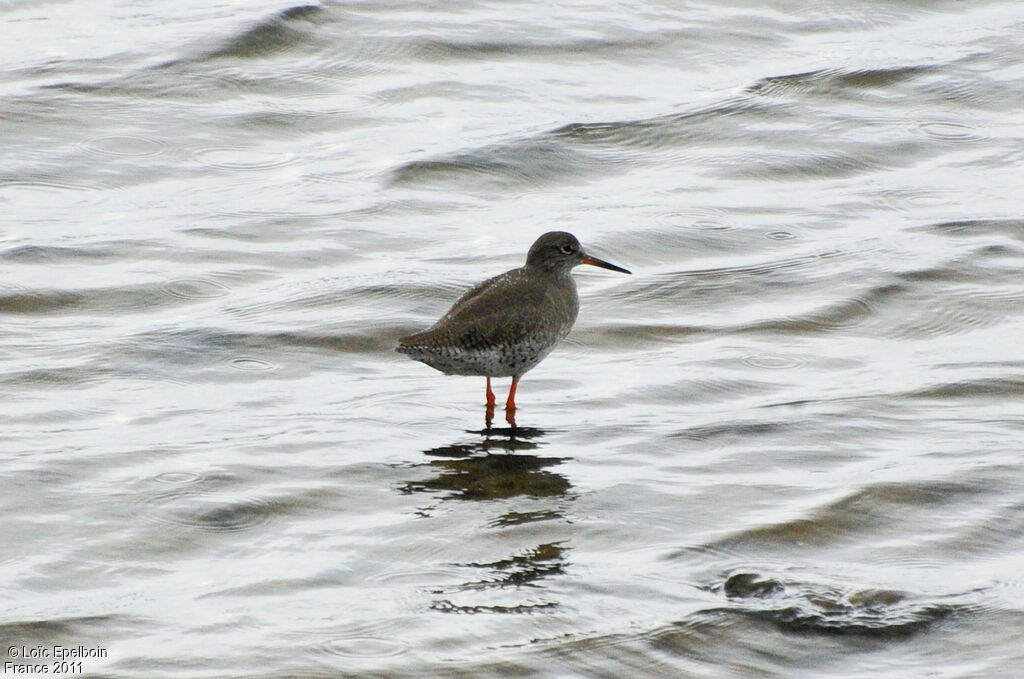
(510, 404)
(490, 394)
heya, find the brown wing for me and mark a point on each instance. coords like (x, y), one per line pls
(495, 312)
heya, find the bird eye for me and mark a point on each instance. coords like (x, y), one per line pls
(567, 249)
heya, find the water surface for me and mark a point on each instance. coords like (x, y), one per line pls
(788, 446)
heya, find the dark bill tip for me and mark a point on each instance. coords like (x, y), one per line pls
(594, 261)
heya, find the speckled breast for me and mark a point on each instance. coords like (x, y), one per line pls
(509, 360)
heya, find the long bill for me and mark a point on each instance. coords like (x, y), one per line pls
(594, 261)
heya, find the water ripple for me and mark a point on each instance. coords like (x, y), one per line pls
(242, 158)
(55, 254)
(278, 33)
(23, 194)
(676, 132)
(580, 150)
(867, 508)
(995, 387)
(705, 285)
(125, 146)
(361, 647)
(968, 228)
(774, 361)
(700, 219)
(837, 314)
(249, 364)
(134, 298)
(172, 81)
(195, 288)
(527, 163)
(192, 506)
(949, 131)
(833, 83)
(379, 639)
(178, 478)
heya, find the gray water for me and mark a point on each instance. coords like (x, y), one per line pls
(790, 445)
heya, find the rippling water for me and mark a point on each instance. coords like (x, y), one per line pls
(788, 446)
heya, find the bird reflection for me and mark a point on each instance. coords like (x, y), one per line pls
(510, 416)
(500, 465)
(521, 570)
(484, 469)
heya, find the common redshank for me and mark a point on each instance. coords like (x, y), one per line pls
(506, 325)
